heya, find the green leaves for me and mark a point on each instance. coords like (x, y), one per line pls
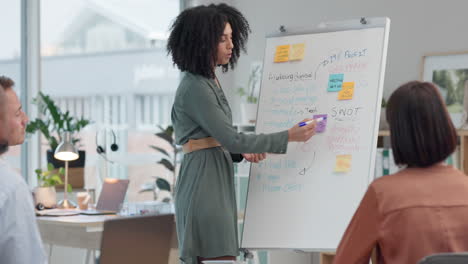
(166, 163)
(241, 91)
(252, 99)
(47, 105)
(163, 184)
(166, 134)
(55, 180)
(54, 122)
(169, 130)
(38, 174)
(166, 137)
(50, 177)
(254, 78)
(249, 97)
(80, 124)
(163, 151)
(384, 103)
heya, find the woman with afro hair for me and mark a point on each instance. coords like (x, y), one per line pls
(203, 38)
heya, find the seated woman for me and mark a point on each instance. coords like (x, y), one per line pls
(423, 209)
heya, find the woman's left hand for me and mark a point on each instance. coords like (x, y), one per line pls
(254, 157)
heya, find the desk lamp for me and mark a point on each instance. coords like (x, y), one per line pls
(66, 151)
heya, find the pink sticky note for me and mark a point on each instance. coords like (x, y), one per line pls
(320, 128)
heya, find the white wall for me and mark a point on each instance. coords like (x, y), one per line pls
(418, 27)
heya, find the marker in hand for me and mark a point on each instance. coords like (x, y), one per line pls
(301, 124)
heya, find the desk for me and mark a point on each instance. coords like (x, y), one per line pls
(78, 231)
(327, 257)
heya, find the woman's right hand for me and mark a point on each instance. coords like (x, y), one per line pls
(301, 134)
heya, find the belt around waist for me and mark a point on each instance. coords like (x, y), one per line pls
(202, 143)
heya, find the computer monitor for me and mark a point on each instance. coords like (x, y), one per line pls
(112, 194)
(141, 239)
(111, 197)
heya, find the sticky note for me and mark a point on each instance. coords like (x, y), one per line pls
(335, 82)
(347, 91)
(320, 128)
(297, 52)
(282, 53)
(343, 163)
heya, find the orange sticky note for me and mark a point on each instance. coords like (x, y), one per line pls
(343, 163)
(282, 53)
(297, 52)
(347, 91)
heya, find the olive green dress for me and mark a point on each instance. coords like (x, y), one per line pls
(206, 214)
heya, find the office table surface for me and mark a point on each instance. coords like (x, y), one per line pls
(78, 231)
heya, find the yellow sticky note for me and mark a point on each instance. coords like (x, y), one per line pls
(343, 163)
(347, 91)
(297, 52)
(282, 53)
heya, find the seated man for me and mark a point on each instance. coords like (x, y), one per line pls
(3, 132)
(20, 241)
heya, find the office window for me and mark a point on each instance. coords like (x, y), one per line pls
(105, 60)
(10, 54)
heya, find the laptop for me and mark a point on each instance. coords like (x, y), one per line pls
(141, 239)
(112, 195)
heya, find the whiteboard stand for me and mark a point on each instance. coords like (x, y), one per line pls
(312, 213)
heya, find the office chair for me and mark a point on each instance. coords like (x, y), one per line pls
(446, 258)
(141, 239)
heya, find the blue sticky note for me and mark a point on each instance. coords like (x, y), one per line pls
(335, 82)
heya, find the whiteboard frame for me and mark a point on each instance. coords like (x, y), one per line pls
(326, 27)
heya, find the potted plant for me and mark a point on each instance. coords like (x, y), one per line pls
(52, 124)
(249, 105)
(383, 124)
(169, 161)
(47, 180)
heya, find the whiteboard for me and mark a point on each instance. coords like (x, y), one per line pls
(305, 199)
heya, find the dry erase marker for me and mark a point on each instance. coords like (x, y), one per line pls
(301, 124)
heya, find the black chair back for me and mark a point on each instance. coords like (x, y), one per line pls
(446, 258)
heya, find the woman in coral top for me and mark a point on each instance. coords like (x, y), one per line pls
(423, 209)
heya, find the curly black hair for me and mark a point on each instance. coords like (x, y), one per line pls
(196, 33)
